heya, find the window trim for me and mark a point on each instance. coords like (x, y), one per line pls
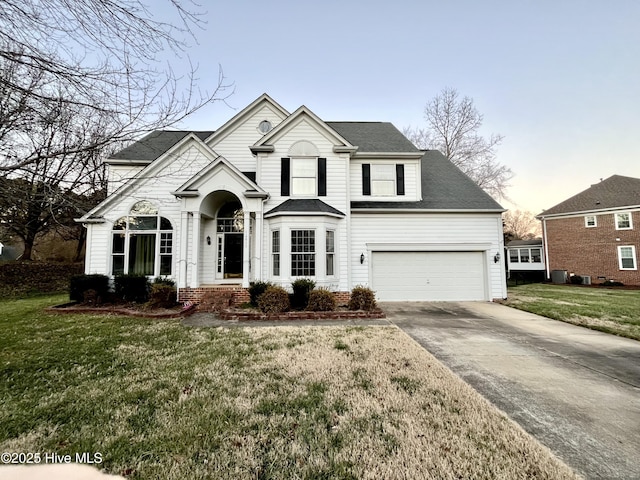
(330, 253)
(586, 221)
(633, 257)
(618, 227)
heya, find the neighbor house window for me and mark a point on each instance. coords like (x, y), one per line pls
(330, 252)
(536, 255)
(524, 255)
(513, 256)
(623, 221)
(590, 221)
(275, 252)
(142, 243)
(303, 253)
(627, 258)
(303, 176)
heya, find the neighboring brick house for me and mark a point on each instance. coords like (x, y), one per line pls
(596, 232)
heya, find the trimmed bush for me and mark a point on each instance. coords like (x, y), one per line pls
(79, 285)
(301, 289)
(164, 281)
(256, 289)
(274, 300)
(321, 300)
(362, 298)
(575, 280)
(162, 295)
(612, 283)
(132, 288)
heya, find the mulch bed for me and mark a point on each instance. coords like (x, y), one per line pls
(236, 314)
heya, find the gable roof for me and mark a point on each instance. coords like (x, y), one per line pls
(374, 136)
(444, 187)
(308, 206)
(154, 144)
(614, 192)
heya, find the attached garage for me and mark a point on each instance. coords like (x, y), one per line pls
(429, 276)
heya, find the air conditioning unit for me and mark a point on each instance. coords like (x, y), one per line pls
(586, 279)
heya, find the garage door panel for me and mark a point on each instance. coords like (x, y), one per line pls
(428, 276)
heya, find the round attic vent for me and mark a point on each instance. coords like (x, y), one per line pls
(264, 126)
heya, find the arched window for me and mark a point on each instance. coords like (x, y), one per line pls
(142, 242)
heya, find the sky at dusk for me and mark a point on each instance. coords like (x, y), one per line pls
(559, 79)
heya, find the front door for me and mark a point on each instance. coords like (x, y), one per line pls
(233, 255)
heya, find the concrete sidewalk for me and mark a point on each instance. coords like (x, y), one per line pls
(576, 390)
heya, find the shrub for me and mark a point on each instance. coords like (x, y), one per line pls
(321, 300)
(274, 300)
(256, 289)
(362, 298)
(612, 283)
(575, 280)
(132, 288)
(162, 295)
(164, 281)
(79, 285)
(301, 289)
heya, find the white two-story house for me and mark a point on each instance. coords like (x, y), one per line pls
(275, 196)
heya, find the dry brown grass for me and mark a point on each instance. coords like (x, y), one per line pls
(405, 416)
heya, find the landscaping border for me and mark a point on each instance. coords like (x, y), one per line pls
(231, 314)
(112, 310)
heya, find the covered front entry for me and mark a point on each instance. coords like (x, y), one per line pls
(429, 276)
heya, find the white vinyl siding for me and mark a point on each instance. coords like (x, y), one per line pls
(412, 188)
(429, 232)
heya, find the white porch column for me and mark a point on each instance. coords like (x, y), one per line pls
(246, 250)
(257, 264)
(195, 254)
(182, 258)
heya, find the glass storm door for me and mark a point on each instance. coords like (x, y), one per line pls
(232, 257)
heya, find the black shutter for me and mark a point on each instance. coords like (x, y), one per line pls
(366, 179)
(284, 176)
(322, 177)
(400, 179)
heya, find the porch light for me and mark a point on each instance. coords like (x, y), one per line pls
(361, 258)
(496, 257)
(208, 240)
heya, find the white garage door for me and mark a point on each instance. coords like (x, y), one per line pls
(428, 276)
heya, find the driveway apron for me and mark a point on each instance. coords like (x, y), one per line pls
(576, 390)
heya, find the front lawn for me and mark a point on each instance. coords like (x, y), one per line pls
(160, 400)
(606, 309)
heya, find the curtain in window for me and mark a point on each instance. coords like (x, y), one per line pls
(142, 254)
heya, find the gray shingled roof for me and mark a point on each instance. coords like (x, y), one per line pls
(613, 192)
(524, 243)
(155, 144)
(305, 205)
(444, 187)
(374, 136)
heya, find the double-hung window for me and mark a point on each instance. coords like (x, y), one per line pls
(330, 252)
(590, 221)
(627, 258)
(275, 252)
(623, 221)
(303, 253)
(383, 180)
(304, 176)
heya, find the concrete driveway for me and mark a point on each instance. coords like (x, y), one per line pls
(576, 390)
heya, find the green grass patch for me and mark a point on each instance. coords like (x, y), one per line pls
(609, 310)
(160, 400)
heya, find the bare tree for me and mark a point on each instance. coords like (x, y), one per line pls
(452, 128)
(519, 225)
(102, 56)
